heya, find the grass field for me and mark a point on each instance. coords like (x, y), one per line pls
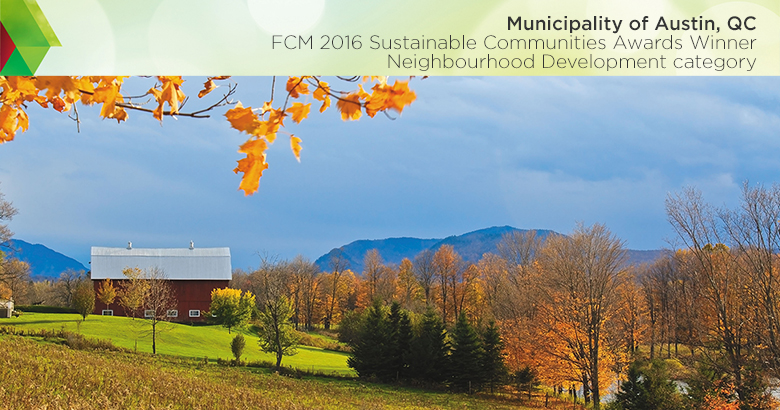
(45, 375)
(179, 340)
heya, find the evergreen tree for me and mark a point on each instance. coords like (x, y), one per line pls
(648, 387)
(466, 357)
(401, 339)
(428, 357)
(237, 346)
(493, 368)
(371, 352)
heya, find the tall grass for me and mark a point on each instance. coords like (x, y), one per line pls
(37, 375)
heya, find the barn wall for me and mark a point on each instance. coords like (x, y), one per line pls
(190, 295)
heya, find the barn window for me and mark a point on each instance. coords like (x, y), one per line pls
(148, 313)
(194, 313)
(172, 313)
(108, 312)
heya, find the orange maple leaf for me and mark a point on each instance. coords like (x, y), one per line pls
(299, 111)
(11, 120)
(296, 86)
(267, 107)
(108, 94)
(295, 144)
(208, 87)
(170, 92)
(242, 119)
(252, 166)
(322, 93)
(349, 107)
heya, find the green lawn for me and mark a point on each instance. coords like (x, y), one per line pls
(179, 340)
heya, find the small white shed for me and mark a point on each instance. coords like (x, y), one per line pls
(6, 308)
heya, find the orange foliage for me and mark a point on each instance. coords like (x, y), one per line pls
(262, 125)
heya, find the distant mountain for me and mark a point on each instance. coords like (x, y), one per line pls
(393, 250)
(471, 246)
(44, 263)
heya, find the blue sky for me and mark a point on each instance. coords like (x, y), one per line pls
(468, 154)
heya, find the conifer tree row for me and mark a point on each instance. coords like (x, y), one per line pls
(388, 349)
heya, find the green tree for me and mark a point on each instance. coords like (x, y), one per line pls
(350, 326)
(400, 340)
(493, 367)
(371, 353)
(428, 356)
(648, 387)
(84, 299)
(231, 308)
(277, 333)
(237, 346)
(466, 357)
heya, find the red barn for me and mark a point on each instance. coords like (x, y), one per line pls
(193, 272)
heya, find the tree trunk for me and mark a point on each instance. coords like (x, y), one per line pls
(154, 337)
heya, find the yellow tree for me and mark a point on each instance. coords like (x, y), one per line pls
(134, 288)
(447, 268)
(579, 286)
(231, 308)
(106, 293)
(373, 95)
(407, 287)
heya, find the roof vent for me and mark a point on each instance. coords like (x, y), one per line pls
(129, 245)
(192, 245)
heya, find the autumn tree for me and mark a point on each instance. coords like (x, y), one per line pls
(333, 285)
(448, 267)
(106, 293)
(262, 125)
(310, 295)
(731, 254)
(726, 292)
(582, 273)
(7, 212)
(84, 299)
(159, 300)
(15, 275)
(424, 272)
(372, 270)
(630, 315)
(754, 232)
(408, 288)
(67, 284)
(302, 275)
(133, 290)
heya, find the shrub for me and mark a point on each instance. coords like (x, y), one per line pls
(237, 346)
(44, 309)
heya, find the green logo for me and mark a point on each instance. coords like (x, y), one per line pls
(25, 37)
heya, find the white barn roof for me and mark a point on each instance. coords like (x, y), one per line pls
(176, 263)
